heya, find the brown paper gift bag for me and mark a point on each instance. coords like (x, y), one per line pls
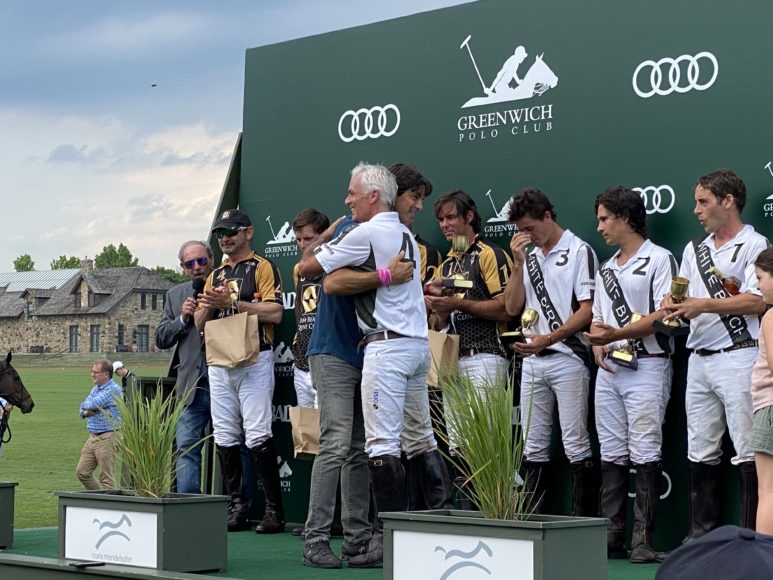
(232, 341)
(444, 356)
(305, 424)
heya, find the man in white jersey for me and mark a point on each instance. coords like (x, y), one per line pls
(723, 308)
(553, 273)
(632, 394)
(392, 319)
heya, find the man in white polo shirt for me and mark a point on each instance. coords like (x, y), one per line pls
(723, 308)
(553, 273)
(392, 319)
(634, 378)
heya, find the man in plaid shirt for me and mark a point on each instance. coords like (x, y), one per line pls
(102, 417)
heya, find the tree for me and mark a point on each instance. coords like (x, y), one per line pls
(65, 263)
(112, 257)
(24, 263)
(169, 274)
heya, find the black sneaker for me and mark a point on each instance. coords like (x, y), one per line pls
(271, 523)
(319, 555)
(373, 557)
(352, 550)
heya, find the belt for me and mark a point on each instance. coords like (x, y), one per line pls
(651, 355)
(381, 335)
(469, 351)
(265, 347)
(547, 352)
(101, 433)
(740, 345)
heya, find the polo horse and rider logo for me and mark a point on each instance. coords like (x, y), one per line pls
(539, 78)
(12, 390)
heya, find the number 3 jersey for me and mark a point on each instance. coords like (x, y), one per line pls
(555, 285)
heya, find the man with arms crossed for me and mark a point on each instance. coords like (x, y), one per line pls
(553, 273)
(393, 319)
(724, 327)
(631, 395)
(177, 329)
(241, 397)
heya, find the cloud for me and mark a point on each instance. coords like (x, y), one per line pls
(72, 154)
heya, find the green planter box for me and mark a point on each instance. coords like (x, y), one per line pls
(182, 532)
(451, 543)
(7, 490)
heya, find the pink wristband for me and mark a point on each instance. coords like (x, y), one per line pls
(384, 277)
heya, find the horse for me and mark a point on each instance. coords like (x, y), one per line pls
(12, 388)
(537, 80)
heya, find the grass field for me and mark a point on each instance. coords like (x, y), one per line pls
(46, 443)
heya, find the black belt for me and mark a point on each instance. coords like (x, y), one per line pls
(265, 347)
(382, 335)
(547, 352)
(651, 355)
(101, 433)
(740, 345)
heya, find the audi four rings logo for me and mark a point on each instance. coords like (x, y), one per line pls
(369, 123)
(672, 68)
(659, 199)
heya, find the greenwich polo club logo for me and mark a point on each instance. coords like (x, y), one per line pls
(675, 75)
(283, 360)
(498, 226)
(282, 243)
(369, 123)
(508, 86)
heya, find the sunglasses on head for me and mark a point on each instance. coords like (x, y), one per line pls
(191, 264)
(226, 233)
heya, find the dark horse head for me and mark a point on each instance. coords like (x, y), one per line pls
(11, 387)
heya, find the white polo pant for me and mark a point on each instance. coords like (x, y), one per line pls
(557, 378)
(719, 396)
(304, 391)
(395, 404)
(241, 402)
(485, 370)
(630, 409)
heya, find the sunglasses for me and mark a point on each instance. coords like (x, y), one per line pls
(220, 234)
(191, 264)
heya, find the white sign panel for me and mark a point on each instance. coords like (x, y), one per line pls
(446, 556)
(111, 536)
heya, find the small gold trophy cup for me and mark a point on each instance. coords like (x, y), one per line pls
(675, 326)
(529, 318)
(626, 356)
(458, 277)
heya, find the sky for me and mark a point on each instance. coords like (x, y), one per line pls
(118, 119)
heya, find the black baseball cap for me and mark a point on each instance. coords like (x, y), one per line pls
(232, 219)
(728, 552)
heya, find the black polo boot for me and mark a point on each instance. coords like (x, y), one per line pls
(433, 480)
(645, 509)
(614, 501)
(231, 468)
(748, 518)
(585, 488)
(265, 457)
(534, 486)
(704, 499)
(387, 477)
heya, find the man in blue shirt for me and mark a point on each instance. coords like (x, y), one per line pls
(102, 417)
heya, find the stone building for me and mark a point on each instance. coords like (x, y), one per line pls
(81, 310)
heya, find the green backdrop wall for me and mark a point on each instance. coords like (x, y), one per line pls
(649, 95)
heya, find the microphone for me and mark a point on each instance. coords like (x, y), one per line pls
(198, 288)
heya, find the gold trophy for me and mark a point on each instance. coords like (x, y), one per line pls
(458, 277)
(626, 356)
(675, 326)
(529, 318)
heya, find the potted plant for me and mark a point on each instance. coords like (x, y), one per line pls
(502, 539)
(145, 524)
